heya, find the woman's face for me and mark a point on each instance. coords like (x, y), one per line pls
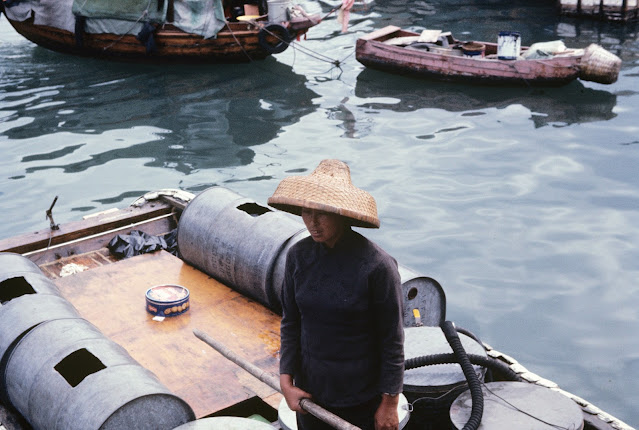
(324, 227)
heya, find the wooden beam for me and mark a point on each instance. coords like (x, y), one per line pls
(90, 226)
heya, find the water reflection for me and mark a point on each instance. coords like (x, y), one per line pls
(572, 103)
(193, 117)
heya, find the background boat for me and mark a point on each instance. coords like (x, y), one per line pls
(178, 30)
(445, 58)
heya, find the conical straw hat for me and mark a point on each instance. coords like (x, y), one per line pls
(328, 188)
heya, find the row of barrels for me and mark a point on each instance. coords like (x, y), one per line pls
(59, 371)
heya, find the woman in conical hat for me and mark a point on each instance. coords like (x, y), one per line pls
(342, 329)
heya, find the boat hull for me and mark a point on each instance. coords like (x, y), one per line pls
(372, 52)
(235, 43)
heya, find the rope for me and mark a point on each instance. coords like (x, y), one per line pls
(238, 42)
(308, 51)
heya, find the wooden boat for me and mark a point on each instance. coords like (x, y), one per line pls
(229, 300)
(246, 32)
(437, 55)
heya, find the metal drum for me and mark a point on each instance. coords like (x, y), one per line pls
(11, 262)
(432, 389)
(288, 420)
(27, 298)
(519, 405)
(66, 375)
(244, 245)
(226, 423)
(238, 242)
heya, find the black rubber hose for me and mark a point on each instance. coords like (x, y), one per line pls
(474, 385)
(489, 373)
(469, 334)
(480, 360)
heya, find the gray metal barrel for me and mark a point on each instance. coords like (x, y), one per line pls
(432, 389)
(521, 405)
(244, 245)
(66, 375)
(27, 298)
(239, 242)
(11, 262)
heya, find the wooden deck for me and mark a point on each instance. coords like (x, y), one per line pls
(112, 297)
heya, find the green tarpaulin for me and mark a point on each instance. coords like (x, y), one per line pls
(128, 10)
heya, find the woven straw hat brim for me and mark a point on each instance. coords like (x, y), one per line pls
(297, 192)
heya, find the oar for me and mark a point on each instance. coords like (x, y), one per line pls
(270, 380)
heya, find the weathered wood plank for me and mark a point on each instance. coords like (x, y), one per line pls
(79, 229)
(113, 298)
(390, 29)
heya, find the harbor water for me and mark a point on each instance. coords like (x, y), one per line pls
(523, 203)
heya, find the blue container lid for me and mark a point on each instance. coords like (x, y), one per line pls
(167, 294)
(509, 33)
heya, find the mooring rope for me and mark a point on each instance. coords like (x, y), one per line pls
(303, 49)
(237, 41)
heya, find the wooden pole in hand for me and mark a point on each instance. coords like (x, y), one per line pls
(270, 380)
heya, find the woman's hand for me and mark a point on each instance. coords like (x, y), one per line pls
(292, 394)
(386, 416)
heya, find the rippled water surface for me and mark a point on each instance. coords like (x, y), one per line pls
(523, 203)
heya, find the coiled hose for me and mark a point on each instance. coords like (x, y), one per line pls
(480, 360)
(491, 364)
(474, 385)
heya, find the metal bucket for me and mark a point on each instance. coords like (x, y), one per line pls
(238, 242)
(508, 45)
(65, 374)
(278, 10)
(435, 386)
